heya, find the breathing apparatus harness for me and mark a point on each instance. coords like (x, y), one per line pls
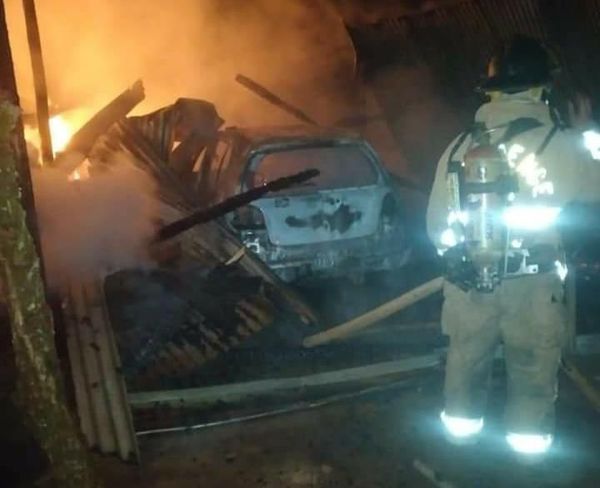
(481, 188)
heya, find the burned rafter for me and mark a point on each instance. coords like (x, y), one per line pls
(83, 140)
(229, 205)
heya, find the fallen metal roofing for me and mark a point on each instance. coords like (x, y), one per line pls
(100, 391)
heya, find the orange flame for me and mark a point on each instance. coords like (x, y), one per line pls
(62, 128)
(61, 132)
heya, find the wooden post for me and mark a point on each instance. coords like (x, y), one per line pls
(40, 391)
(39, 80)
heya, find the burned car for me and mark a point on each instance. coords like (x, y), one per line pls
(344, 222)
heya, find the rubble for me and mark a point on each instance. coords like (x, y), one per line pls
(169, 323)
(207, 306)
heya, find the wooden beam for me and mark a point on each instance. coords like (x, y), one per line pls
(273, 99)
(583, 384)
(83, 140)
(39, 80)
(372, 317)
(230, 204)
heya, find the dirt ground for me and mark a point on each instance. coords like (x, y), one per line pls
(372, 442)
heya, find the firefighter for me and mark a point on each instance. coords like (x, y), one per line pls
(523, 307)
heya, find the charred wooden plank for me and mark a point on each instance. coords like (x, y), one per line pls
(83, 140)
(273, 99)
(230, 204)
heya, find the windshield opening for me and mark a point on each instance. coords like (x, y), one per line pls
(340, 167)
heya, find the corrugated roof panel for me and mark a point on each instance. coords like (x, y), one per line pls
(100, 391)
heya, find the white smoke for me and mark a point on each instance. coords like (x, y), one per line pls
(97, 225)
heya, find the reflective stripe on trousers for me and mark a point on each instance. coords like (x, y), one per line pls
(528, 316)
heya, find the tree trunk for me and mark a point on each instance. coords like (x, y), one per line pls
(40, 391)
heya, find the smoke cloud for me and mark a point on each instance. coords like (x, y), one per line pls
(97, 225)
(186, 48)
(181, 48)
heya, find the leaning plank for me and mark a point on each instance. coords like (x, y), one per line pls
(211, 394)
(583, 383)
(273, 99)
(83, 140)
(372, 317)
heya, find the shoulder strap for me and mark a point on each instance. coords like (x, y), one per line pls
(519, 126)
(547, 140)
(524, 124)
(459, 143)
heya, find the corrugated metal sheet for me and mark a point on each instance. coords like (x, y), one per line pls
(100, 391)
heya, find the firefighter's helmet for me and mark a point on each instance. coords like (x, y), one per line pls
(522, 64)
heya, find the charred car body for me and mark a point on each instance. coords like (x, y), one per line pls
(344, 222)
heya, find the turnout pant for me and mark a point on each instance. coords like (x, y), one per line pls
(526, 314)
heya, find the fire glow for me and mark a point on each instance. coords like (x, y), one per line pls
(61, 132)
(62, 128)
